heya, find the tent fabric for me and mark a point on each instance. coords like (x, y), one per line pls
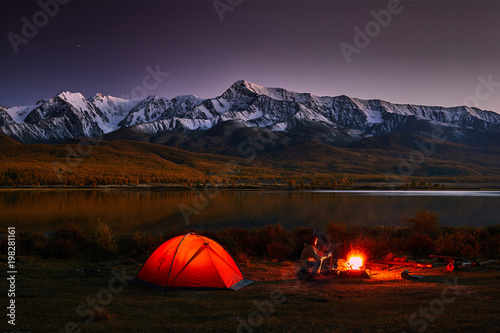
(192, 261)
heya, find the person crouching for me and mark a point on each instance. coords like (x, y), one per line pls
(311, 258)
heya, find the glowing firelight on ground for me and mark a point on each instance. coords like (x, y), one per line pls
(355, 262)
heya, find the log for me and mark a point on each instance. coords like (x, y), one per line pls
(402, 263)
(356, 273)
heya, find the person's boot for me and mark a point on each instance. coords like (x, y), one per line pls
(311, 278)
(303, 274)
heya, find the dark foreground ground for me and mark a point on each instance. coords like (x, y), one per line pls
(58, 296)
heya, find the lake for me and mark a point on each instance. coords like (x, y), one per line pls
(155, 211)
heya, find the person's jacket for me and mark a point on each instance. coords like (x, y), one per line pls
(309, 252)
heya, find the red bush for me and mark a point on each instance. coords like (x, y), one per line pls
(420, 243)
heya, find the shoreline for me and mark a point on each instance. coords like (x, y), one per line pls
(375, 187)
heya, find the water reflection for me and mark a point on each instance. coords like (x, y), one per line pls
(156, 211)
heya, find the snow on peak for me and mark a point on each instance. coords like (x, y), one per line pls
(68, 95)
(75, 99)
(272, 108)
(182, 98)
(98, 96)
(372, 110)
(19, 113)
(242, 84)
(279, 94)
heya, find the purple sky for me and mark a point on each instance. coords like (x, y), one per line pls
(431, 53)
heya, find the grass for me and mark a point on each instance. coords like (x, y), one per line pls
(73, 293)
(50, 294)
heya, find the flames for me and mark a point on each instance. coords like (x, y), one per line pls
(353, 266)
(356, 262)
(355, 259)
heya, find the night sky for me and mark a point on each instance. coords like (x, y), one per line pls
(431, 53)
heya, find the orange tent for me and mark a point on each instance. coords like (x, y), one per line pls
(191, 261)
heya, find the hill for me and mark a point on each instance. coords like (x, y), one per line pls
(121, 162)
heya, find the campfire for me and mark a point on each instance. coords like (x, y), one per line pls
(353, 267)
(355, 262)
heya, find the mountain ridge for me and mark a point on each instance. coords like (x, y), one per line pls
(340, 119)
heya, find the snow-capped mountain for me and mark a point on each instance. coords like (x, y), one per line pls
(155, 108)
(340, 119)
(64, 116)
(15, 114)
(113, 109)
(5, 117)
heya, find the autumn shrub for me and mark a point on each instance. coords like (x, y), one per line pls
(272, 242)
(420, 243)
(366, 244)
(60, 248)
(277, 251)
(336, 231)
(232, 240)
(168, 234)
(464, 242)
(356, 237)
(493, 230)
(67, 242)
(396, 245)
(389, 239)
(102, 245)
(140, 244)
(30, 243)
(424, 222)
(72, 233)
(250, 246)
(300, 236)
(492, 247)
(375, 242)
